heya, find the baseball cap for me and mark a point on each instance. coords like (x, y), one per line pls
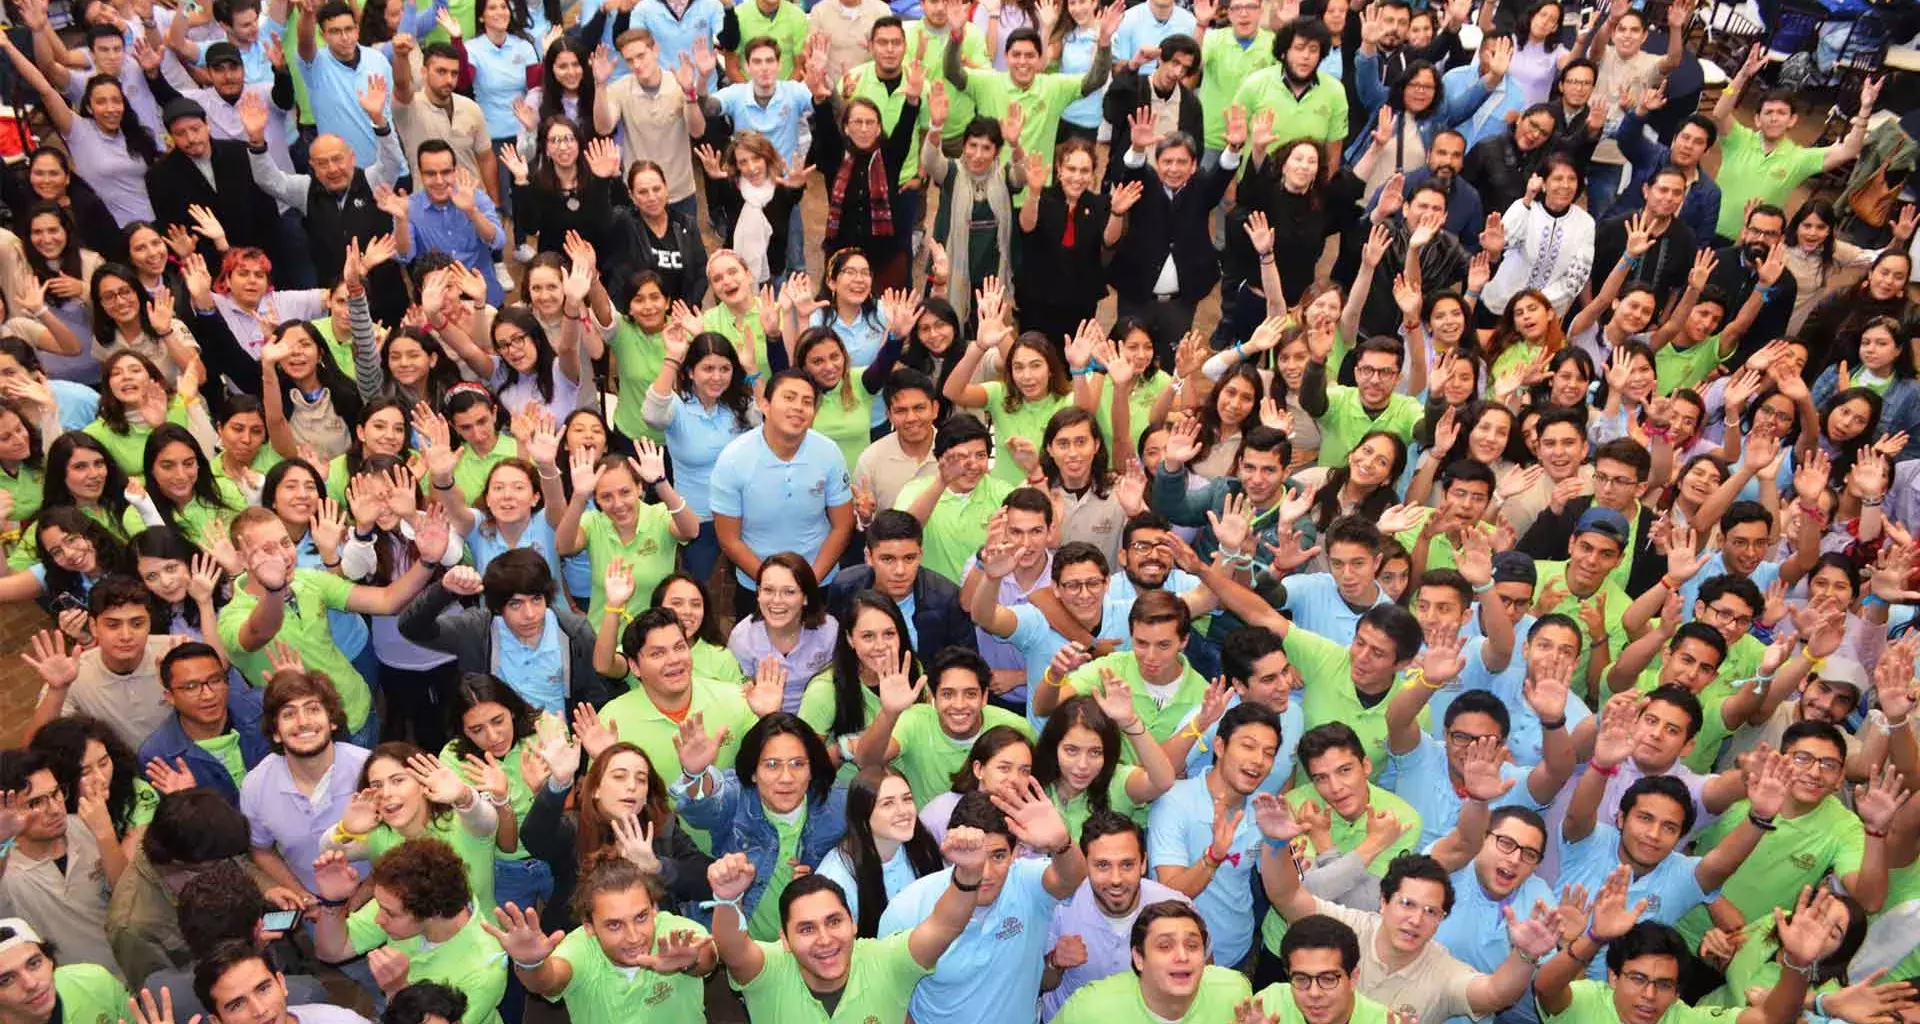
(222, 52)
(1605, 522)
(181, 108)
(1514, 567)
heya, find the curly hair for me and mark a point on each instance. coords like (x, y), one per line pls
(428, 877)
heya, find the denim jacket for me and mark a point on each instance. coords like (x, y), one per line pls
(738, 823)
(170, 742)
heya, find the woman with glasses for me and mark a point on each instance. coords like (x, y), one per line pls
(1502, 166)
(784, 814)
(789, 624)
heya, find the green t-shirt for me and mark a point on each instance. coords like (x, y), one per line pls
(28, 486)
(637, 358)
(1319, 114)
(880, 981)
(1028, 421)
(1162, 721)
(129, 450)
(720, 320)
(845, 416)
(226, 747)
(89, 994)
(1347, 421)
(1616, 601)
(929, 757)
(519, 797)
(603, 992)
(340, 348)
(1754, 966)
(304, 628)
(715, 663)
(649, 556)
(470, 470)
(470, 962)
(820, 702)
(1077, 810)
(1799, 852)
(1347, 837)
(764, 925)
(1140, 399)
(893, 102)
(1042, 101)
(1277, 1000)
(1675, 367)
(1749, 171)
(958, 525)
(1440, 549)
(960, 106)
(1713, 727)
(1329, 694)
(196, 519)
(721, 706)
(476, 852)
(1116, 1000)
(1593, 1004)
(26, 551)
(1226, 65)
(786, 26)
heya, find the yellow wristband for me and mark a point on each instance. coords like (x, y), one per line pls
(1418, 676)
(1048, 678)
(343, 837)
(616, 609)
(1199, 738)
(1819, 665)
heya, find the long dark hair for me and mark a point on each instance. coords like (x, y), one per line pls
(521, 316)
(1823, 209)
(849, 712)
(1210, 412)
(595, 829)
(356, 450)
(1470, 417)
(1844, 453)
(402, 752)
(344, 394)
(857, 846)
(69, 261)
(739, 394)
(552, 96)
(63, 742)
(1903, 368)
(103, 325)
(709, 622)
(109, 553)
(393, 550)
(270, 487)
(543, 174)
(475, 689)
(205, 487)
(1065, 419)
(168, 544)
(1326, 504)
(990, 743)
(56, 493)
(1083, 711)
(782, 724)
(36, 453)
(139, 140)
(441, 372)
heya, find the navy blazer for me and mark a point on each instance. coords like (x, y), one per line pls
(938, 619)
(170, 742)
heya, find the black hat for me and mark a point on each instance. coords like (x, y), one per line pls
(179, 108)
(1514, 567)
(222, 52)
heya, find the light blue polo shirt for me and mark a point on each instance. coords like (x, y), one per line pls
(1525, 736)
(781, 505)
(991, 974)
(1140, 28)
(1121, 591)
(1763, 576)
(696, 437)
(1670, 889)
(1476, 932)
(1077, 49)
(487, 544)
(1292, 724)
(1420, 778)
(1179, 828)
(1314, 603)
(499, 78)
(334, 92)
(673, 35)
(1038, 642)
(779, 120)
(254, 59)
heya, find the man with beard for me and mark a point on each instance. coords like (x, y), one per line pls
(1088, 936)
(929, 741)
(1201, 838)
(1415, 221)
(1149, 550)
(1831, 695)
(1655, 815)
(993, 970)
(1738, 276)
(1345, 414)
(213, 175)
(1466, 214)
(294, 797)
(1348, 684)
(1171, 978)
(929, 602)
(35, 991)
(626, 952)
(214, 732)
(1320, 958)
(1664, 267)
(1400, 963)
(1165, 687)
(955, 504)
(1256, 671)
(1307, 103)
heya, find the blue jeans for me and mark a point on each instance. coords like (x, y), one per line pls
(524, 883)
(1603, 187)
(702, 553)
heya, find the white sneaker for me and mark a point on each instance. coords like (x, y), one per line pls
(502, 274)
(525, 253)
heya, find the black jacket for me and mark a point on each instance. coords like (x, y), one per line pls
(1550, 535)
(1127, 92)
(681, 263)
(1052, 274)
(467, 633)
(1499, 170)
(1738, 280)
(1664, 268)
(248, 214)
(1161, 224)
(938, 619)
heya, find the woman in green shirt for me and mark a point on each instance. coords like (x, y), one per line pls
(1139, 387)
(638, 349)
(133, 402)
(81, 475)
(847, 392)
(244, 456)
(1034, 382)
(622, 523)
(406, 793)
(840, 703)
(1754, 969)
(384, 428)
(1528, 332)
(686, 597)
(182, 485)
(492, 734)
(1077, 757)
(22, 465)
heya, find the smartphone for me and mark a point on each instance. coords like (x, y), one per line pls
(279, 920)
(67, 602)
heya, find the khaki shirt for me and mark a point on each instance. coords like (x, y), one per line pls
(132, 705)
(656, 130)
(846, 28)
(464, 128)
(885, 470)
(1523, 508)
(1433, 986)
(1093, 520)
(67, 907)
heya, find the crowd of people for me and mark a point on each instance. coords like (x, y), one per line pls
(1466, 569)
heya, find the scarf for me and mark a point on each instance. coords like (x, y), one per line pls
(752, 231)
(879, 210)
(964, 189)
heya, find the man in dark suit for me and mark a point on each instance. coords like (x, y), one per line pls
(928, 601)
(1167, 263)
(1166, 86)
(212, 173)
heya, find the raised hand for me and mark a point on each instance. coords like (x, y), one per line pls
(1115, 698)
(768, 688)
(1880, 797)
(899, 690)
(57, 665)
(442, 783)
(519, 934)
(634, 838)
(696, 747)
(1480, 773)
(1538, 933)
(1033, 819)
(731, 875)
(1275, 819)
(1612, 916)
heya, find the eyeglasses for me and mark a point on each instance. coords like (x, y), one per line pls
(1148, 547)
(1408, 903)
(1326, 982)
(1827, 765)
(791, 766)
(44, 801)
(1734, 619)
(1375, 373)
(1660, 985)
(1461, 739)
(1081, 586)
(1604, 480)
(192, 687)
(1508, 844)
